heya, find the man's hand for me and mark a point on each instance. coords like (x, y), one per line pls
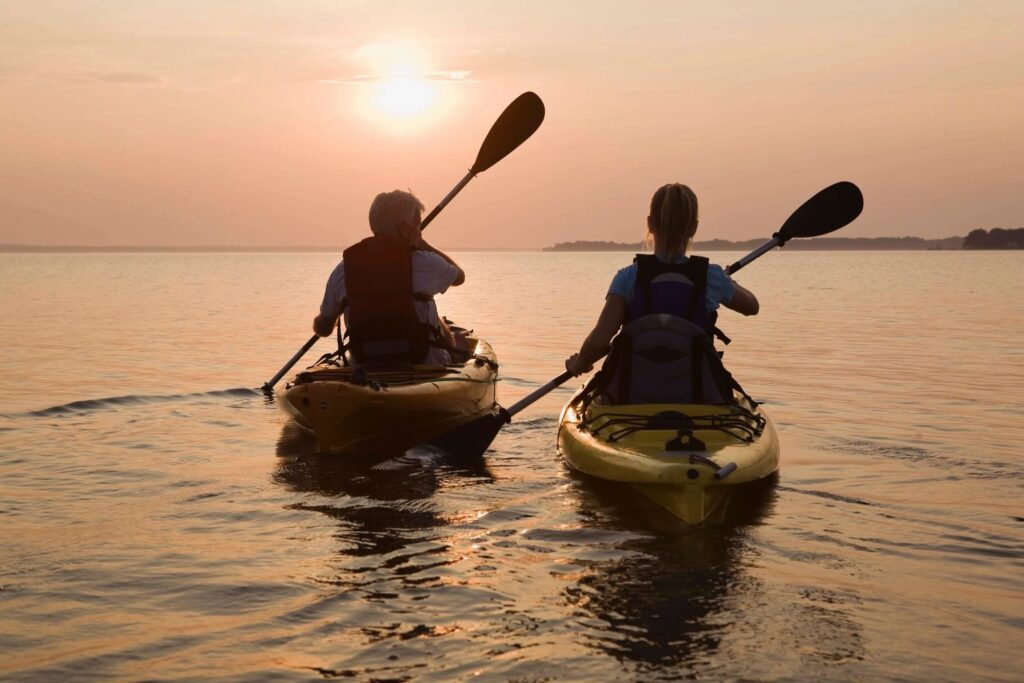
(323, 326)
(423, 245)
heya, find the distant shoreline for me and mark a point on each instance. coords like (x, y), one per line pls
(818, 244)
(79, 249)
(977, 240)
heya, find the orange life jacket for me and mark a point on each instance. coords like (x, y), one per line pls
(382, 323)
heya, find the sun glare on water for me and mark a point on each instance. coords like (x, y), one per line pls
(398, 94)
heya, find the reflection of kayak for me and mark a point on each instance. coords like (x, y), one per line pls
(686, 458)
(383, 411)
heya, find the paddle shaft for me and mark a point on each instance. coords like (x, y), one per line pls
(444, 202)
(512, 128)
(269, 385)
(476, 436)
(827, 211)
(519, 405)
(315, 338)
(757, 253)
(522, 403)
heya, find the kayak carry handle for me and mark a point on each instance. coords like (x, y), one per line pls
(725, 471)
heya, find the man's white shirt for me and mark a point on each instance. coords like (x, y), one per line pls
(431, 275)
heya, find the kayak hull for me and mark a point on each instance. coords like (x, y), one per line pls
(692, 479)
(390, 410)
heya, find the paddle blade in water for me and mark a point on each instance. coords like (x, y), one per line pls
(832, 208)
(472, 439)
(517, 123)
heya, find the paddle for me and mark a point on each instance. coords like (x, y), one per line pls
(512, 128)
(832, 208)
(473, 438)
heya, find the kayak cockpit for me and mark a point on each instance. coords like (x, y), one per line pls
(372, 412)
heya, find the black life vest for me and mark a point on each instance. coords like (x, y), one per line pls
(382, 323)
(678, 289)
(662, 358)
(664, 352)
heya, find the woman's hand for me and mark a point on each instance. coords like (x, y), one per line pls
(572, 364)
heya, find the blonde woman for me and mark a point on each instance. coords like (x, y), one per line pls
(669, 281)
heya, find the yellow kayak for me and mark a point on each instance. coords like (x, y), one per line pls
(380, 412)
(686, 458)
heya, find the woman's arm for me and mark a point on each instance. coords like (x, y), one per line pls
(743, 301)
(595, 346)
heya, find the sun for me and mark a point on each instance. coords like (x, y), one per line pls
(404, 98)
(397, 93)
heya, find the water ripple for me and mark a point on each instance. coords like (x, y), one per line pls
(115, 402)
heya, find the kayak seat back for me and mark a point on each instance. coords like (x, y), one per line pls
(661, 358)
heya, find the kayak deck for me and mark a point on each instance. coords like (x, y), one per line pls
(685, 458)
(373, 413)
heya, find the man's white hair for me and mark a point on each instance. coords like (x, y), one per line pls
(390, 208)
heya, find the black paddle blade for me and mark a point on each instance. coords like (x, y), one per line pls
(832, 208)
(517, 123)
(472, 439)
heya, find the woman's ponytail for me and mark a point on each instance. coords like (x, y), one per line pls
(674, 216)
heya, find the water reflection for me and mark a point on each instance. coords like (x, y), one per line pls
(685, 599)
(664, 601)
(380, 509)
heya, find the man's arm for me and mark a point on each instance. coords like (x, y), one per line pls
(460, 278)
(330, 307)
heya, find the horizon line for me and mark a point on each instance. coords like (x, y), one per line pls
(6, 247)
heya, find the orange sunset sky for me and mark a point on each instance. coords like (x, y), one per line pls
(127, 122)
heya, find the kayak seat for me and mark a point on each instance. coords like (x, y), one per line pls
(661, 358)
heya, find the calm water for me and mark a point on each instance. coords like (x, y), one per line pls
(157, 520)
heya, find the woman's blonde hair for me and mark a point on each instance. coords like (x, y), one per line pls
(673, 215)
(389, 208)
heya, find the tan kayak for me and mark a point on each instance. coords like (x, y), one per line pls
(380, 412)
(686, 458)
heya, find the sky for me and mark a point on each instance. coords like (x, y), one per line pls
(275, 123)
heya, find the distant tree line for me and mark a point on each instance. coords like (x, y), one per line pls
(817, 244)
(996, 238)
(595, 245)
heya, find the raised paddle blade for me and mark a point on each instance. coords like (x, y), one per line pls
(832, 208)
(517, 123)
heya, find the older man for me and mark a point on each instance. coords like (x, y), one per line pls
(385, 287)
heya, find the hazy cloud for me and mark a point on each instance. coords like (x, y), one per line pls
(461, 75)
(458, 75)
(78, 76)
(128, 77)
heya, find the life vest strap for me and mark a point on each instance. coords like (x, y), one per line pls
(433, 341)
